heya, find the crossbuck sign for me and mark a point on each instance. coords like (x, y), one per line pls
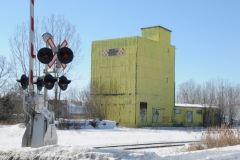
(53, 46)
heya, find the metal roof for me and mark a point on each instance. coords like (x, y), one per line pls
(194, 105)
(156, 27)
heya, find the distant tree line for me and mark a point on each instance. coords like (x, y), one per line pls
(216, 92)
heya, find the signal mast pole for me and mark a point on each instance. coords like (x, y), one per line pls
(32, 56)
(41, 130)
(45, 90)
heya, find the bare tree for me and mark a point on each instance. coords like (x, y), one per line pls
(233, 94)
(208, 93)
(61, 29)
(74, 95)
(189, 92)
(95, 99)
(5, 71)
(211, 116)
(19, 45)
(220, 92)
(228, 97)
(6, 107)
(11, 102)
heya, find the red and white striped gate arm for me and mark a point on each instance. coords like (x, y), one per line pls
(32, 56)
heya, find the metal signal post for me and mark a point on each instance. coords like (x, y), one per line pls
(41, 129)
(32, 56)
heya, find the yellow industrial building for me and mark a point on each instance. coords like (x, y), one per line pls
(138, 76)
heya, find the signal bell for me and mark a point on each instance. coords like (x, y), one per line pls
(24, 81)
(49, 81)
(39, 83)
(63, 83)
(45, 55)
(65, 55)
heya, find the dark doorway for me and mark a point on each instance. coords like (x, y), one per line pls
(143, 112)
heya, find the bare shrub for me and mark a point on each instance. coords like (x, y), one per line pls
(216, 137)
(6, 108)
(6, 122)
(94, 123)
(95, 100)
(66, 124)
(215, 92)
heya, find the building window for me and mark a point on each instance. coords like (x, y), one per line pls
(113, 52)
(189, 116)
(177, 111)
(199, 112)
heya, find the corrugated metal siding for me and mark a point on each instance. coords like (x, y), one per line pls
(143, 73)
(197, 119)
(155, 80)
(118, 73)
(158, 34)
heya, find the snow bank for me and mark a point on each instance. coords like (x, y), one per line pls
(73, 152)
(79, 144)
(225, 153)
(76, 152)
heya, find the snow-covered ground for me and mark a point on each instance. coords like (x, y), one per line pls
(79, 144)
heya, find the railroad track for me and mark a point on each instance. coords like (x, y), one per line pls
(146, 145)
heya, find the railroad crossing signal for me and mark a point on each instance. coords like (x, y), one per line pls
(64, 54)
(49, 56)
(49, 81)
(24, 81)
(63, 83)
(45, 55)
(39, 83)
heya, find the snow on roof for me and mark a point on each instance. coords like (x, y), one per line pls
(193, 105)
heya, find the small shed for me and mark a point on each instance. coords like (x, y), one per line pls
(76, 112)
(195, 115)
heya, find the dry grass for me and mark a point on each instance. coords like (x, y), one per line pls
(217, 137)
(6, 122)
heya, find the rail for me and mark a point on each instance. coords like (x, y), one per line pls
(147, 145)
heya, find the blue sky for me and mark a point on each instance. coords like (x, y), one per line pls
(206, 33)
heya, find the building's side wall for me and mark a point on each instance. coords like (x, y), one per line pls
(117, 74)
(200, 117)
(155, 83)
(183, 119)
